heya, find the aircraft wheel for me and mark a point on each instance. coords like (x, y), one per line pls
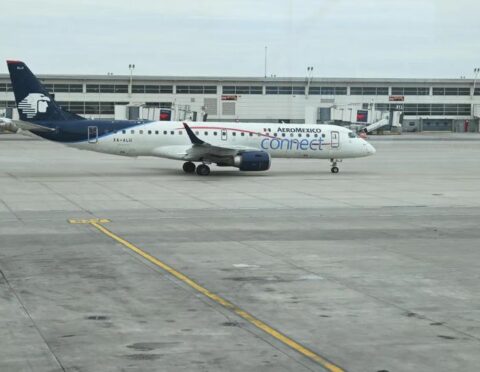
(203, 170)
(334, 169)
(189, 167)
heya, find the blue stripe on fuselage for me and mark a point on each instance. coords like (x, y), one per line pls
(77, 130)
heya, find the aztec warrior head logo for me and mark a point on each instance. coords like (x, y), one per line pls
(33, 104)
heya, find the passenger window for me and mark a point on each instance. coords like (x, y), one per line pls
(172, 132)
(299, 134)
(156, 132)
(179, 132)
(197, 132)
(164, 132)
(323, 135)
(243, 134)
(234, 133)
(124, 131)
(308, 135)
(214, 133)
(149, 132)
(250, 134)
(132, 131)
(141, 132)
(274, 134)
(315, 135)
(283, 134)
(206, 133)
(291, 134)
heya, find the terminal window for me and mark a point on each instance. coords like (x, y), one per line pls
(196, 89)
(328, 91)
(368, 91)
(451, 91)
(240, 89)
(60, 88)
(152, 89)
(410, 91)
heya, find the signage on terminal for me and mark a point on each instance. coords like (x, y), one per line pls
(165, 115)
(362, 116)
(229, 98)
(396, 98)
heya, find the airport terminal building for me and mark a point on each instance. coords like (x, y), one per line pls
(426, 104)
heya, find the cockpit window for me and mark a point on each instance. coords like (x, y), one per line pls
(352, 135)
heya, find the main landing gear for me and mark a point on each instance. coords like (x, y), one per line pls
(201, 170)
(189, 167)
(334, 168)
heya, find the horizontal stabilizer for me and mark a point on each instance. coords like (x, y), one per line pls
(14, 125)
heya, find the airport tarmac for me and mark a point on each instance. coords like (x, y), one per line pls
(372, 269)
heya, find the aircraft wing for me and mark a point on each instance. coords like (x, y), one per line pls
(203, 150)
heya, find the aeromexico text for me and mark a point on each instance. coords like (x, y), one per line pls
(299, 130)
(295, 144)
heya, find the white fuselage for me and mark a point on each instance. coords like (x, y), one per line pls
(170, 140)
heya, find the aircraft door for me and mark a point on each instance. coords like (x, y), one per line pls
(224, 134)
(334, 139)
(92, 134)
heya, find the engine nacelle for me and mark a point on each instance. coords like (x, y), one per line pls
(252, 161)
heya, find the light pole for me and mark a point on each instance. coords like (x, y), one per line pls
(265, 65)
(476, 71)
(309, 79)
(131, 67)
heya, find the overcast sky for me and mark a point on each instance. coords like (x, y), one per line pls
(340, 38)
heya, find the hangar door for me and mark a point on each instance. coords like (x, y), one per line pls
(437, 125)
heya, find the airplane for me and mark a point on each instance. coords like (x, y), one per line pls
(246, 146)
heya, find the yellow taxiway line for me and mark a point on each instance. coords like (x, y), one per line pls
(329, 366)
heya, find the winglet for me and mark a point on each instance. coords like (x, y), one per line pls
(195, 140)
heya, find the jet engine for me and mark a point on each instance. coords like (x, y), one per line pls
(252, 161)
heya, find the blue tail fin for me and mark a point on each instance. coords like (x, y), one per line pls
(34, 103)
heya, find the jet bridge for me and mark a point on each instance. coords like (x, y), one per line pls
(357, 116)
(392, 119)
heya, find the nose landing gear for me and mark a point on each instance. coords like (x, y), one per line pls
(334, 168)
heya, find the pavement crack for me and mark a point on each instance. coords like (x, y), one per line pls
(376, 298)
(25, 310)
(11, 211)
